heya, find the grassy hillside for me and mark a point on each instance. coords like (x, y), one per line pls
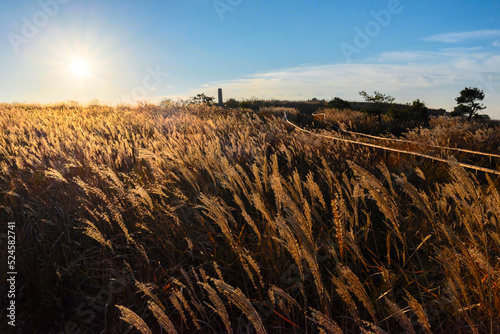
(199, 219)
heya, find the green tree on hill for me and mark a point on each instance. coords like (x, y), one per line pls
(378, 99)
(339, 104)
(202, 99)
(419, 111)
(468, 102)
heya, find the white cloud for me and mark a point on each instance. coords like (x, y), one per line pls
(496, 43)
(456, 37)
(439, 56)
(434, 77)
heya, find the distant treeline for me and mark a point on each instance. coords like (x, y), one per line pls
(311, 106)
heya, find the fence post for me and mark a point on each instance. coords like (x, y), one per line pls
(221, 104)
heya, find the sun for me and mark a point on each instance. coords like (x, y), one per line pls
(80, 68)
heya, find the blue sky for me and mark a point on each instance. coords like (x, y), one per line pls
(150, 50)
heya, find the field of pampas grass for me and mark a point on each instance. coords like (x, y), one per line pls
(197, 219)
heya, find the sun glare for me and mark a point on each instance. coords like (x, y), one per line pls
(80, 68)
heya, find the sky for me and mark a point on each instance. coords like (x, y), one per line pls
(126, 51)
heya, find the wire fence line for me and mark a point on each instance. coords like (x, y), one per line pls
(390, 149)
(491, 155)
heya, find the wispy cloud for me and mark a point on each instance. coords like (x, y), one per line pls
(438, 56)
(435, 77)
(456, 37)
(496, 43)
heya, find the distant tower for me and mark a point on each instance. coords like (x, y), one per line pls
(221, 104)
